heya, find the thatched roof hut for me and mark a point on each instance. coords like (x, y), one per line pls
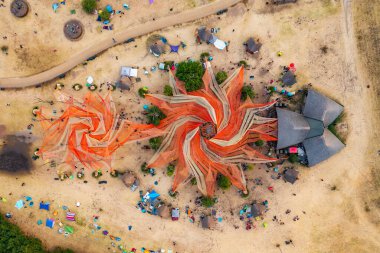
(73, 29)
(163, 211)
(19, 8)
(129, 179)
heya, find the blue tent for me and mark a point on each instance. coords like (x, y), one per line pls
(19, 204)
(153, 195)
(45, 206)
(109, 8)
(174, 49)
(50, 223)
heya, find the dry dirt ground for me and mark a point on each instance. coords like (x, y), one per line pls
(342, 220)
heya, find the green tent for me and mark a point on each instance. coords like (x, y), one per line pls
(69, 229)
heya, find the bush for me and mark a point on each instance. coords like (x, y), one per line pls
(293, 158)
(259, 143)
(143, 91)
(155, 142)
(105, 15)
(247, 92)
(191, 74)
(168, 90)
(207, 201)
(89, 6)
(170, 170)
(221, 76)
(193, 181)
(4, 49)
(155, 115)
(223, 182)
(243, 63)
(12, 239)
(144, 168)
(204, 55)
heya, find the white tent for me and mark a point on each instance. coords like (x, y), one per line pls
(219, 44)
(128, 71)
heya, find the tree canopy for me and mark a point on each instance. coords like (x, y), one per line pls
(89, 6)
(247, 92)
(221, 76)
(191, 74)
(168, 90)
(155, 142)
(223, 182)
(155, 115)
(105, 15)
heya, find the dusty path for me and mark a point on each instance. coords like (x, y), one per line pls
(120, 37)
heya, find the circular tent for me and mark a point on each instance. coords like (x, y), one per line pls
(73, 29)
(19, 8)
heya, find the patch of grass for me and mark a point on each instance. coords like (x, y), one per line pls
(208, 201)
(155, 142)
(220, 77)
(223, 182)
(333, 127)
(170, 170)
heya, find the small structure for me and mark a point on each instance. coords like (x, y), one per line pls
(163, 211)
(70, 216)
(290, 175)
(73, 29)
(283, 1)
(50, 223)
(19, 204)
(45, 206)
(252, 47)
(175, 214)
(128, 71)
(129, 179)
(220, 44)
(288, 79)
(207, 222)
(204, 35)
(256, 210)
(124, 83)
(19, 8)
(157, 49)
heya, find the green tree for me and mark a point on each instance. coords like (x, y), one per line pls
(89, 6)
(155, 115)
(143, 91)
(193, 181)
(223, 182)
(204, 55)
(243, 63)
(155, 142)
(207, 201)
(170, 170)
(105, 15)
(168, 90)
(221, 76)
(259, 143)
(191, 73)
(247, 92)
(293, 158)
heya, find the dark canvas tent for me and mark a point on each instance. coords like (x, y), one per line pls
(50, 223)
(256, 210)
(251, 46)
(45, 206)
(207, 222)
(288, 79)
(291, 175)
(157, 49)
(204, 35)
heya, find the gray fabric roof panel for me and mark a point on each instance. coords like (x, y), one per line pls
(316, 128)
(322, 108)
(204, 34)
(292, 128)
(291, 175)
(322, 147)
(252, 46)
(289, 78)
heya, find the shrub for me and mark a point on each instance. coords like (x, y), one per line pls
(170, 170)
(105, 15)
(223, 182)
(155, 115)
(155, 142)
(143, 91)
(191, 74)
(243, 63)
(168, 90)
(259, 143)
(204, 55)
(193, 181)
(247, 92)
(221, 76)
(293, 158)
(144, 168)
(207, 201)
(89, 6)
(4, 49)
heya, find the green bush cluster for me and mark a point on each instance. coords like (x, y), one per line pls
(204, 55)
(155, 115)
(293, 158)
(221, 76)
(223, 182)
(191, 74)
(168, 90)
(170, 170)
(89, 6)
(155, 142)
(143, 91)
(247, 92)
(208, 201)
(105, 15)
(259, 143)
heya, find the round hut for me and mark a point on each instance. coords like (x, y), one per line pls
(73, 29)
(19, 8)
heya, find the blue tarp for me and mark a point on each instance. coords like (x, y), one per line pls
(50, 223)
(55, 6)
(174, 49)
(45, 206)
(109, 8)
(19, 204)
(153, 195)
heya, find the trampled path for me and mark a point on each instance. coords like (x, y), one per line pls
(119, 37)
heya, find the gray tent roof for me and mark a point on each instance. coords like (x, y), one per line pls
(157, 49)
(291, 175)
(207, 222)
(292, 128)
(289, 78)
(322, 147)
(204, 34)
(212, 39)
(256, 210)
(252, 46)
(322, 108)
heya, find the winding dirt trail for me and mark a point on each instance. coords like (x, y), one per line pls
(114, 39)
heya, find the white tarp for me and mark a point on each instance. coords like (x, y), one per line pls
(219, 44)
(128, 71)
